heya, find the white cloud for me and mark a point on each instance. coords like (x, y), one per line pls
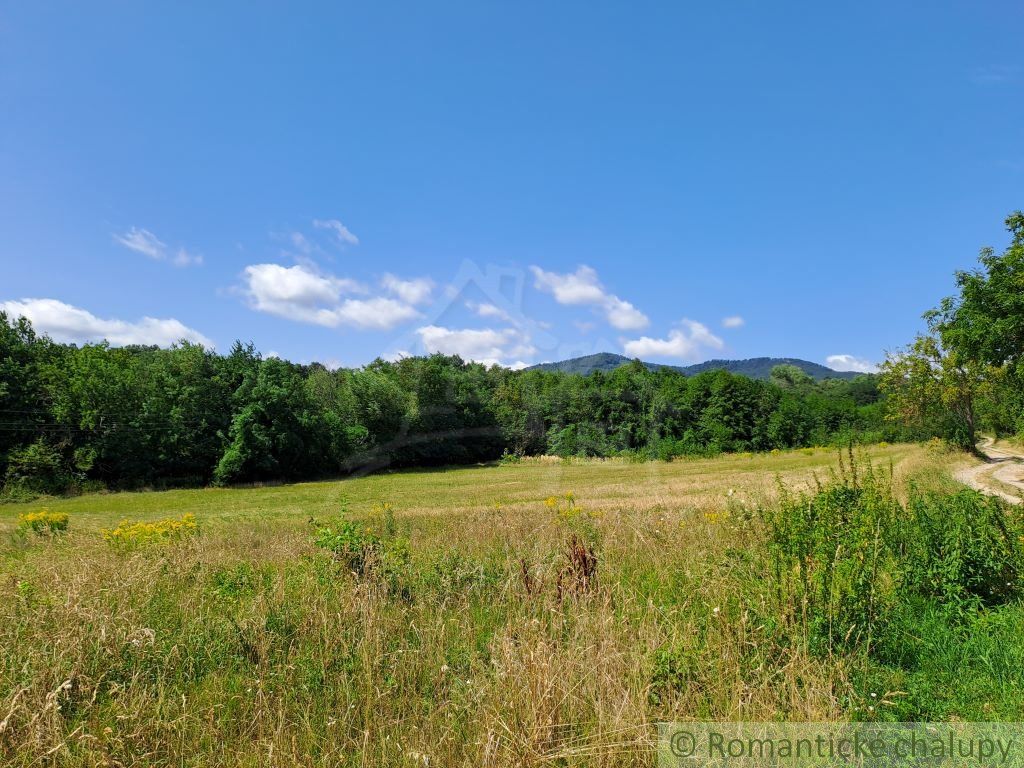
(579, 287)
(378, 313)
(183, 258)
(686, 343)
(294, 292)
(850, 363)
(145, 242)
(734, 321)
(415, 291)
(69, 324)
(302, 294)
(340, 230)
(623, 315)
(582, 287)
(488, 310)
(487, 345)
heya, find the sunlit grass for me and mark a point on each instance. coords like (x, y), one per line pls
(542, 613)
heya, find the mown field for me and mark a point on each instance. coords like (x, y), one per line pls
(540, 613)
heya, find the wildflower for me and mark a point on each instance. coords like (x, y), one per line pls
(43, 521)
(129, 533)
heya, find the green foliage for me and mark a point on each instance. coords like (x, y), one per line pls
(850, 563)
(349, 543)
(930, 383)
(240, 581)
(962, 549)
(985, 321)
(372, 549)
(142, 416)
(967, 372)
(832, 560)
(37, 468)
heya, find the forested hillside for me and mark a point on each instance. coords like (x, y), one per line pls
(126, 416)
(123, 416)
(755, 367)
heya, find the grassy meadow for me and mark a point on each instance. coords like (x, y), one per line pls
(539, 613)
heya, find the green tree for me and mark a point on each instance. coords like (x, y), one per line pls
(985, 320)
(926, 382)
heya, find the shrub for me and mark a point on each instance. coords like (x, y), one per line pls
(349, 543)
(43, 521)
(35, 469)
(850, 563)
(508, 459)
(962, 548)
(132, 533)
(366, 552)
(830, 559)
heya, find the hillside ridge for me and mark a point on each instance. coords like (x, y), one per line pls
(754, 367)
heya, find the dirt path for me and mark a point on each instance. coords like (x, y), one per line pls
(1003, 466)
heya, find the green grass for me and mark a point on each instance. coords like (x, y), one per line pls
(456, 491)
(471, 636)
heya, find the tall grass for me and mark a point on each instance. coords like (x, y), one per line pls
(547, 635)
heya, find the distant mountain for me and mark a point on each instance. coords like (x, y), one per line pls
(755, 367)
(761, 367)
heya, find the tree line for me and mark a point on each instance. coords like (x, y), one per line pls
(74, 417)
(965, 373)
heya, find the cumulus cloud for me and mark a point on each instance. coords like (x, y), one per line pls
(300, 293)
(850, 363)
(486, 345)
(377, 314)
(734, 321)
(340, 230)
(415, 291)
(73, 325)
(582, 288)
(685, 343)
(297, 292)
(488, 310)
(145, 242)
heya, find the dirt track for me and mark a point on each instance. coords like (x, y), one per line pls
(1004, 468)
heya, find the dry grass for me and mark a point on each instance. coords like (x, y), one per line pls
(245, 645)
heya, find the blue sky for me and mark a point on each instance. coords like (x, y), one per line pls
(516, 182)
